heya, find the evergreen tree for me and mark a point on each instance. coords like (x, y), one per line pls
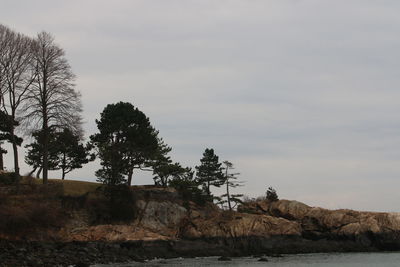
(165, 171)
(71, 153)
(188, 187)
(209, 172)
(7, 123)
(126, 141)
(271, 194)
(34, 156)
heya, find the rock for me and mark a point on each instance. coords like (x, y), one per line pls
(333, 222)
(224, 258)
(166, 226)
(263, 259)
(160, 215)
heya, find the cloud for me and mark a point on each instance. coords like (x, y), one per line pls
(301, 95)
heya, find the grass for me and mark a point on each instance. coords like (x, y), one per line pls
(76, 188)
(70, 187)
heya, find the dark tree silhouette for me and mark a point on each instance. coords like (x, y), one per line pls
(271, 194)
(53, 102)
(209, 172)
(34, 155)
(188, 187)
(230, 180)
(18, 73)
(6, 134)
(126, 141)
(166, 171)
(71, 152)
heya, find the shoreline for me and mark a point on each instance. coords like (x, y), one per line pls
(38, 253)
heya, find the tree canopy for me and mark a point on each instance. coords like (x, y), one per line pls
(230, 181)
(126, 141)
(209, 172)
(71, 152)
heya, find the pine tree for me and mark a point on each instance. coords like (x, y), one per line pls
(230, 182)
(6, 134)
(166, 171)
(209, 172)
(34, 156)
(71, 152)
(126, 141)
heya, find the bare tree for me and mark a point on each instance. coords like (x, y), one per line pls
(3, 45)
(53, 101)
(17, 76)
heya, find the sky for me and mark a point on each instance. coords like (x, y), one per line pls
(300, 95)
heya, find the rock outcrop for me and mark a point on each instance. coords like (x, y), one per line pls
(166, 225)
(368, 228)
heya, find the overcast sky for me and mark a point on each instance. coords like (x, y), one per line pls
(300, 95)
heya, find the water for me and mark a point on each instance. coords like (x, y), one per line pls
(299, 260)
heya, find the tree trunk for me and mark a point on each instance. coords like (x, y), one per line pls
(45, 147)
(63, 167)
(31, 173)
(39, 172)
(164, 181)
(45, 158)
(1, 160)
(14, 144)
(227, 188)
(15, 153)
(228, 195)
(130, 174)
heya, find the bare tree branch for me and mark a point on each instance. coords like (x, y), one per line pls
(53, 101)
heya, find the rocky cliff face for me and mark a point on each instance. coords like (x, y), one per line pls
(166, 225)
(162, 215)
(281, 226)
(367, 228)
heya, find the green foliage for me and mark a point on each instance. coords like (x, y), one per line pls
(65, 151)
(188, 188)
(271, 194)
(230, 181)
(34, 156)
(6, 125)
(9, 178)
(165, 171)
(71, 153)
(126, 141)
(209, 172)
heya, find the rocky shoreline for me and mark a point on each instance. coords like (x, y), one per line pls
(36, 253)
(167, 226)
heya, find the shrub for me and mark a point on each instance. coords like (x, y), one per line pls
(9, 178)
(29, 217)
(271, 194)
(112, 204)
(189, 191)
(98, 210)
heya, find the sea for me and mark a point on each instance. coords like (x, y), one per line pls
(297, 260)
